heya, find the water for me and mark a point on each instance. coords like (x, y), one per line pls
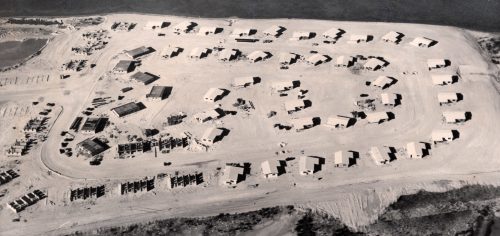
(14, 52)
(473, 14)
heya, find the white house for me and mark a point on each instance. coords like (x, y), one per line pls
(333, 33)
(345, 61)
(454, 117)
(212, 135)
(270, 168)
(242, 82)
(342, 158)
(229, 54)
(416, 149)
(274, 30)
(436, 63)
(393, 37)
(338, 121)
(358, 38)
(213, 94)
(288, 58)
(302, 123)
(184, 27)
(308, 165)
(199, 53)
(171, 52)
(442, 135)
(380, 157)
(389, 99)
(258, 55)
(374, 64)
(294, 105)
(443, 79)
(283, 86)
(205, 116)
(422, 42)
(377, 117)
(233, 174)
(301, 35)
(383, 82)
(447, 98)
(317, 59)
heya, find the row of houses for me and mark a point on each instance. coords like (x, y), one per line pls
(143, 185)
(19, 148)
(27, 200)
(7, 176)
(178, 181)
(87, 192)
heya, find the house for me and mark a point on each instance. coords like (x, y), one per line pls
(229, 54)
(358, 38)
(294, 105)
(19, 148)
(333, 33)
(233, 174)
(93, 125)
(91, 147)
(139, 52)
(213, 94)
(377, 117)
(242, 32)
(383, 82)
(393, 37)
(454, 117)
(35, 125)
(288, 58)
(156, 25)
(443, 79)
(436, 63)
(199, 53)
(342, 158)
(274, 30)
(447, 98)
(270, 168)
(127, 109)
(283, 86)
(123, 66)
(243, 82)
(380, 157)
(303, 123)
(302, 35)
(172, 52)
(317, 59)
(209, 30)
(213, 114)
(423, 42)
(389, 99)
(416, 149)
(184, 27)
(345, 61)
(442, 136)
(339, 121)
(258, 55)
(212, 135)
(145, 78)
(158, 93)
(309, 165)
(374, 64)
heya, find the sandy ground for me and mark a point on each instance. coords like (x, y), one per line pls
(356, 194)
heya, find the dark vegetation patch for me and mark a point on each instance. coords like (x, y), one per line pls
(492, 46)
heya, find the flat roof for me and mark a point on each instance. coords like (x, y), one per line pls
(123, 65)
(93, 145)
(128, 108)
(157, 91)
(145, 78)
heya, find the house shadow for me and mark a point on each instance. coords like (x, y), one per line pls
(393, 82)
(353, 160)
(454, 79)
(312, 35)
(392, 153)
(369, 38)
(316, 121)
(168, 91)
(426, 150)
(282, 167)
(460, 97)
(351, 122)
(257, 79)
(294, 59)
(132, 66)
(101, 125)
(456, 134)
(447, 62)
(307, 103)
(391, 116)
(397, 102)
(246, 168)
(386, 63)
(400, 37)
(280, 31)
(225, 132)
(360, 114)
(434, 42)
(176, 53)
(268, 55)
(218, 30)
(225, 92)
(141, 106)
(252, 32)
(296, 83)
(468, 115)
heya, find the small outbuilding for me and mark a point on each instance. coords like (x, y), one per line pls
(271, 168)
(416, 149)
(294, 106)
(436, 63)
(380, 157)
(288, 58)
(334, 33)
(302, 35)
(229, 54)
(274, 31)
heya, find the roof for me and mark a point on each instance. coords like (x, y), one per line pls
(382, 81)
(283, 85)
(207, 29)
(380, 157)
(307, 163)
(388, 98)
(317, 58)
(171, 50)
(197, 52)
(415, 149)
(440, 134)
(301, 34)
(242, 81)
(454, 116)
(302, 122)
(185, 25)
(242, 31)
(145, 78)
(211, 133)
(213, 93)
(137, 52)
(447, 96)
(257, 55)
(294, 104)
(270, 167)
(333, 33)
(212, 114)
(128, 108)
(232, 172)
(392, 36)
(123, 65)
(274, 30)
(287, 57)
(93, 146)
(342, 157)
(157, 91)
(344, 60)
(376, 117)
(421, 41)
(374, 63)
(358, 37)
(228, 54)
(338, 120)
(436, 62)
(91, 124)
(441, 79)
